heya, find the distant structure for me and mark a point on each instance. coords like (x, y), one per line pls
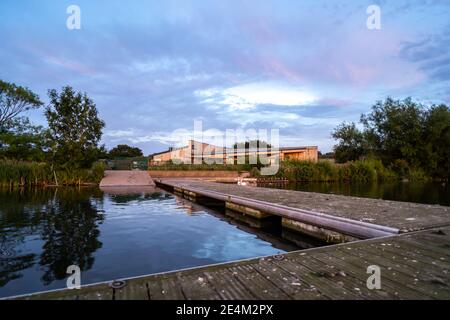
(197, 152)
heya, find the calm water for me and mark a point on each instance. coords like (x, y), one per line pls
(420, 192)
(115, 235)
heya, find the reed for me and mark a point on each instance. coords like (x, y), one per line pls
(326, 171)
(361, 171)
(22, 174)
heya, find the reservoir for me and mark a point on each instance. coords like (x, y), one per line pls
(119, 234)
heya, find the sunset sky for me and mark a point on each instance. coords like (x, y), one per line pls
(156, 66)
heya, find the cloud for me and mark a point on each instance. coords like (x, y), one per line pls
(154, 67)
(249, 96)
(431, 53)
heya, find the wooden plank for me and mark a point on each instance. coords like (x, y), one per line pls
(394, 276)
(57, 295)
(196, 286)
(412, 254)
(393, 280)
(332, 272)
(135, 289)
(356, 277)
(96, 292)
(430, 281)
(331, 289)
(441, 249)
(164, 288)
(294, 286)
(258, 285)
(228, 288)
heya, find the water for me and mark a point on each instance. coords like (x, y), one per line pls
(419, 192)
(115, 235)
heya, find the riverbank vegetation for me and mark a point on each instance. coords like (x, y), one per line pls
(410, 139)
(63, 153)
(364, 171)
(397, 140)
(15, 173)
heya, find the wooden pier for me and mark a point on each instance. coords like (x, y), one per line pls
(332, 218)
(412, 266)
(410, 243)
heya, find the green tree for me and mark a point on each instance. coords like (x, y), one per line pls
(74, 128)
(350, 142)
(436, 141)
(125, 151)
(15, 100)
(23, 141)
(407, 136)
(393, 130)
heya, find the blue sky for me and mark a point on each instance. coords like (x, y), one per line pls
(156, 66)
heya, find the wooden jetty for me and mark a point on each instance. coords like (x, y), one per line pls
(412, 266)
(408, 242)
(332, 218)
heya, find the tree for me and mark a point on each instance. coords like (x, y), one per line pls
(74, 128)
(15, 100)
(23, 141)
(350, 142)
(394, 130)
(404, 134)
(436, 141)
(125, 151)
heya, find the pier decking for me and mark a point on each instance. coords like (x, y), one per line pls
(409, 242)
(413, 266)
(401, 216)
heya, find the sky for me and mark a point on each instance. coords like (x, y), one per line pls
(155, 67)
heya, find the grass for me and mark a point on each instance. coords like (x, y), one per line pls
(361, 171)
(21, 173)
(365, 171)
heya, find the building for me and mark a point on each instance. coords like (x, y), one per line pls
(198, 152)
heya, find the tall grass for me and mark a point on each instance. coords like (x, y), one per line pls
(326, 171)
(21, 173)
(364, 171)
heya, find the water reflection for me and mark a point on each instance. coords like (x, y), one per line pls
(43, 231)
(70, 231)
(65, 220)
(124, 195)
(419, 192)
(11, 266)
